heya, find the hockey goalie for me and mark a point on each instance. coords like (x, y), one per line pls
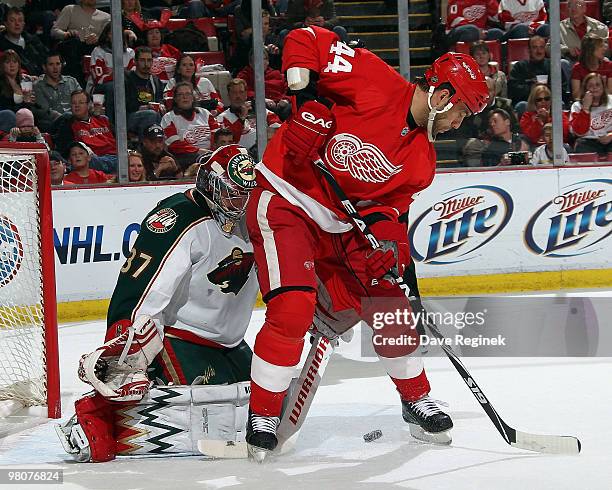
(175, 368)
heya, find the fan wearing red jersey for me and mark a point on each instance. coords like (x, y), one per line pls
(374, 130)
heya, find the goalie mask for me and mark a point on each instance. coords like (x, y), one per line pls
(225, 180)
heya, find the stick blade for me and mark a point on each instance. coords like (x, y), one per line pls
(223, 449)
(547, 444)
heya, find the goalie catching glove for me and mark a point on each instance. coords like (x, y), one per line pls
(118, 369)
(307, 131)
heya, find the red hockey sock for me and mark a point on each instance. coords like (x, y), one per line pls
(413, 388)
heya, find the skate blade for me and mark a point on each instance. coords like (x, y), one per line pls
(258, 454)
(441, 438)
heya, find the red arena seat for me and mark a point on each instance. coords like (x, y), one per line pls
(207, 57)
(583, 157)
(494, 47)
(517, 49)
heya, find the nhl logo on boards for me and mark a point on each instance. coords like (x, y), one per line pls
(162, 221)
(11, 250)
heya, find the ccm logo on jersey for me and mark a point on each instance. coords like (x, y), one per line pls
(307, 116)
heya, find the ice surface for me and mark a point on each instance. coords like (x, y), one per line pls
(559, 396)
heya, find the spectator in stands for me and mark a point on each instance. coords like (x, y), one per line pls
(525, 73)
(159, 163)
(188, 129)
(143, 94)
(52, 93)
(204, 91)
(574, 28)
(496, 102)
(474, 131)
(321, 13)
(15, 89)
(57, 164)
(538, 114)
(93, 130)
(78, 27)
(165, 56)
(101, 63)
(592, 59)
(30, 49)
(244, 30)
(239, 117)
(523, 18)
(136, 170)
(25, 131)
(80, 159)
(472, 20)
(591, 117)
(277, 99)
(222, 137)
(481, 53)
(502, 140)
(131, 31)
(543, 155)
(40, 16)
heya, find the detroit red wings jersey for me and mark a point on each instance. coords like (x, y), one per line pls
(471, 12)
(244, 132)
(512, 12)
(371, 151)
(185, 135)
(101, 64)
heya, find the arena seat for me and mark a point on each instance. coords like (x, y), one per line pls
(85, 64)
(583, 157)
(516, 50)
(207, 57)
(174, 24)
(494, 47)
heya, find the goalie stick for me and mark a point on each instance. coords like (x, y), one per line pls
(297, 405)
(553, 444)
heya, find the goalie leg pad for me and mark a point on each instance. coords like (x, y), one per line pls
(172, 419)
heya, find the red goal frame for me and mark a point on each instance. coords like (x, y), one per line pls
(47, 251)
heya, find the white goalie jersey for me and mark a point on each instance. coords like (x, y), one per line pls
(185, 273)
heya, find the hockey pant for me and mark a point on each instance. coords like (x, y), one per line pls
(190, 359)
(292, 253)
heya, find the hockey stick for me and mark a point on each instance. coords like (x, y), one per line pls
(533, 442)
(297, 405)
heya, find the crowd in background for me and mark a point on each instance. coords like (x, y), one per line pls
(518, 117)
(56, 80)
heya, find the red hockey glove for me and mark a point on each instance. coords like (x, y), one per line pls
(307, 130)
(393, 237)
(379, 262)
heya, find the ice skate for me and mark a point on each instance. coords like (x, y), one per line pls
(426, 421)
(261, 436)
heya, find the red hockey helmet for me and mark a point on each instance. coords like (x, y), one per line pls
(225, 178)
(462, 72)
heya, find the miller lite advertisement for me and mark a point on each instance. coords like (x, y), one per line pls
(512, 221)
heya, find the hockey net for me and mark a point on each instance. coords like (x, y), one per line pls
(29, 372)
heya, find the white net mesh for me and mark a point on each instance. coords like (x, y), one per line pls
(22, 327)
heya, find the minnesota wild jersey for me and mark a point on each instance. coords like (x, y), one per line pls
(184, 272)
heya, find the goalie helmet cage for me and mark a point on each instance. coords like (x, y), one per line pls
(29, 360)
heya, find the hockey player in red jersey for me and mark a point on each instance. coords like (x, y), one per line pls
(374, 130)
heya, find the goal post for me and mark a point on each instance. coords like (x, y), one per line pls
(29, 358)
